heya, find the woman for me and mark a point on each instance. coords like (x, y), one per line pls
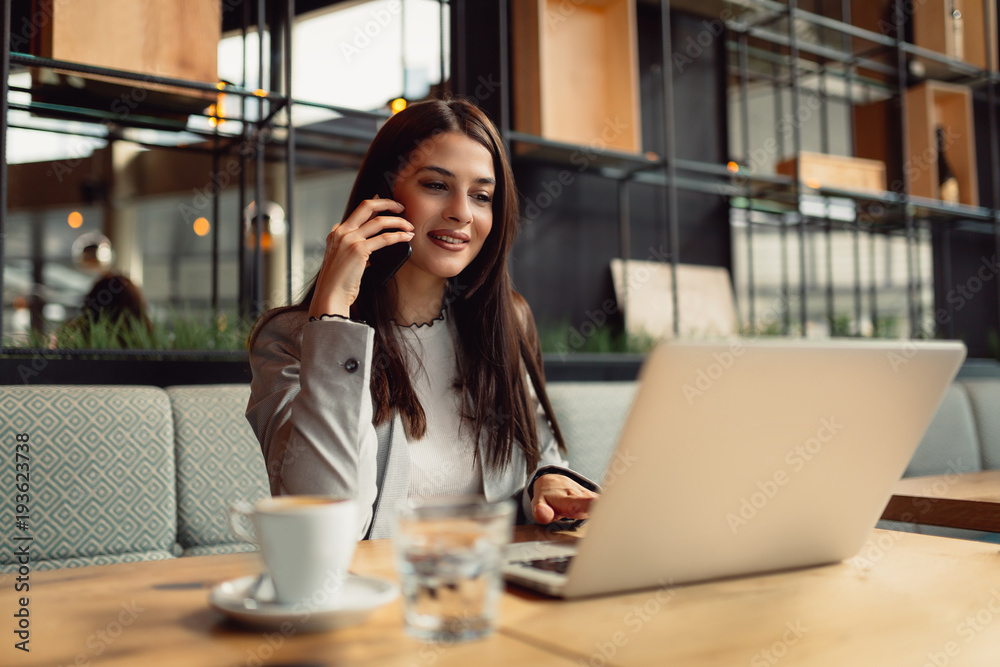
(114, 306)
(429, 384)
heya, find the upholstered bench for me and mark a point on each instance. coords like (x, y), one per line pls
(590, 415)
(121, 474)
(964, 436)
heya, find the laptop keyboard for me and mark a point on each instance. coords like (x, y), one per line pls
(554, 564)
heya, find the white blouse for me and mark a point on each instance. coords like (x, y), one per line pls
(443, 461)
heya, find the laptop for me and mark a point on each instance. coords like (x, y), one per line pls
(745, 457)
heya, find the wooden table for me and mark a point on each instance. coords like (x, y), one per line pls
(904, 600)
(957, 500)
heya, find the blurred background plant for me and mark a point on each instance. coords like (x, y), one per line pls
(180, 330)
(565, 339)
(886, 326)
(842, 327)
(771, 328)
(177, 331)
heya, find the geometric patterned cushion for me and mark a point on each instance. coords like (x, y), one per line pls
(218, 461)
(216, 549)
(101, 479)
(107, 559)
(590, 416)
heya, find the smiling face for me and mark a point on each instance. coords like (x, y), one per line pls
(447, 189)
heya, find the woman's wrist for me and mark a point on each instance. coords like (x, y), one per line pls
(317, 310)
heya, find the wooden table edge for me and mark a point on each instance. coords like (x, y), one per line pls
(944, 512)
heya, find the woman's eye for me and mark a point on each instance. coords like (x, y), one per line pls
(435, 185)
(484, 198)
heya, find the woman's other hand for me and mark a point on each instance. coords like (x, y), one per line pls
(348, 247)
(557, 497)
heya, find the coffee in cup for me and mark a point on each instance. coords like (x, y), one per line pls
(307, 543)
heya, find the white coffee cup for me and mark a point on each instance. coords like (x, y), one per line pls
(307, 543)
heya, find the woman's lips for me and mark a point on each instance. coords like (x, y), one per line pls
(453, 241)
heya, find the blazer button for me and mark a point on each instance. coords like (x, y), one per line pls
(351, 365)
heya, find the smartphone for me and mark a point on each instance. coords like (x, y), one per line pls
(384, 262)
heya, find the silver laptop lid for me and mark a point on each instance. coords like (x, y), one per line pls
(751, 456)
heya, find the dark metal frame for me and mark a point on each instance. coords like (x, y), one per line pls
(912, 210)
(5, 26)
(250, 298)
(670, 172)
(670, 157)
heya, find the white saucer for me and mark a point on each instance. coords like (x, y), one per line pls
(359, 597)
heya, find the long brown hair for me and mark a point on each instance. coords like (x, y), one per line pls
(497, 339)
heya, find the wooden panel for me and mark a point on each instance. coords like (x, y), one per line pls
(935, 28)
(949, 106)
(836, 171)
(927, 106)
(38, 185)
(976, 44)
(931, 27)
(871, 15)
(644, 291)
(174, 38)
(874, 16)
(921, 163)
(970, 501)
(876, 138)
(953, 111)
(168, 38)
(576, 72)
(526, 21)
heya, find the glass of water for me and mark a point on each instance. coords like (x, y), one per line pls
(449, 553)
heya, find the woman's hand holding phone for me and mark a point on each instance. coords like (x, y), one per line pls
(349, 246)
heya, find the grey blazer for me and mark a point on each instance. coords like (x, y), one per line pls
(311, 409)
